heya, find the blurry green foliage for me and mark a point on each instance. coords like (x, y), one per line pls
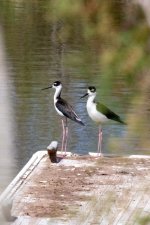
(144, 221)
(118, 30)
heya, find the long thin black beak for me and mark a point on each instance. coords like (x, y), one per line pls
(46, 88)
(84, 95)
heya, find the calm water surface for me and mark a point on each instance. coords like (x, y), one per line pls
(33, 58)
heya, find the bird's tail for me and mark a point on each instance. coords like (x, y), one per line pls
(122, 122)
(79, 121)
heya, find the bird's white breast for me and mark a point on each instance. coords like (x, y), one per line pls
(95, 115)
(57, 110)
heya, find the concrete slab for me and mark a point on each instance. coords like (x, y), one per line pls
(80, 190)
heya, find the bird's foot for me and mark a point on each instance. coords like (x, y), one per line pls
(96, 154)
(99, 154)
(64, 155)
(61, 154)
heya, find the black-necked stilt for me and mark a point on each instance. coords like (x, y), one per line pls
(65, 110)
(99, 113)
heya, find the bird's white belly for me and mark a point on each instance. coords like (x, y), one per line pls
(95, 115)
(59, 112)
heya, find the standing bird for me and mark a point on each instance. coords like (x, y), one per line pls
(65, 110)
(99, 113)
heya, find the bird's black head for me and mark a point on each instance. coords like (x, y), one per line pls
(92, 89)
(56, 83)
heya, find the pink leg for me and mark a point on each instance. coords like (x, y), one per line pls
(100, 134)
(66, 139)
(63, 138)
(66, 136)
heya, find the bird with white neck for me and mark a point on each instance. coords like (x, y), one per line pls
(65, 110)
(100, 114)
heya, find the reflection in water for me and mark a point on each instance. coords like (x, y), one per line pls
(7, 147)
(107, 46)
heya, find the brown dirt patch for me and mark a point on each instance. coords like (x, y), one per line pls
(55, 190)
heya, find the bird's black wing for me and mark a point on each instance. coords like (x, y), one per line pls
(68, 111)
(108, 113)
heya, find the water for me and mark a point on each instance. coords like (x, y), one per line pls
(36, 54)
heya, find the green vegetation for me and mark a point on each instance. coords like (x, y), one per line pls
(144, 221)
